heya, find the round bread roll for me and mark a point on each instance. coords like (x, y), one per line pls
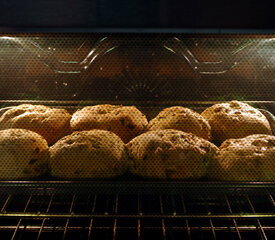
(126, 122)
(170, 154)
(245, 159)
(88, 154)
(183, 119)
(23, 154)
(235, 120)
(50, 123)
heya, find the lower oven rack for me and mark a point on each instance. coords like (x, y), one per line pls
(235, 211)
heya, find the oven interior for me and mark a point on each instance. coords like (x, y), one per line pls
(150, 71)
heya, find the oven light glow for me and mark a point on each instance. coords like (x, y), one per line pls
(90, 53)
(5, 37)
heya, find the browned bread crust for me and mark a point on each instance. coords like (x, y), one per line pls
(88, 154)
(23, 154)
(169, 154)
(126, 122)
(183, 119)
(245, 159)
(50, 123)
(235, 120)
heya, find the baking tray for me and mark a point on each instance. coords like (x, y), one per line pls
(129, 183)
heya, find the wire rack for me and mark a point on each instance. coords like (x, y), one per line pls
(220, 215)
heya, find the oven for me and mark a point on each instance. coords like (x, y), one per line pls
(151, 55)
(151, 71)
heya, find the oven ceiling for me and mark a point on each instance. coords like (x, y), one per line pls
(87, 14)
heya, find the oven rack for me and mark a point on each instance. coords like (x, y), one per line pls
(137, 216)
(137, 186)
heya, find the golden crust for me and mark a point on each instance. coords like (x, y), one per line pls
(245, 159)
(126, 122)
(235, 120)
(88, 154)
(23, 154)
(50, 123)
(169, 154)
(183, 119)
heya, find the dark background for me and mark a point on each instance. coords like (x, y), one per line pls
(253, 14)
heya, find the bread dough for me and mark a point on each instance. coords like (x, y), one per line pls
(125, 121)
(183, 119)
(235, 120)
(23, 154)
(169, 154)
(50, 123)
(245, 159)
(88, 154)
